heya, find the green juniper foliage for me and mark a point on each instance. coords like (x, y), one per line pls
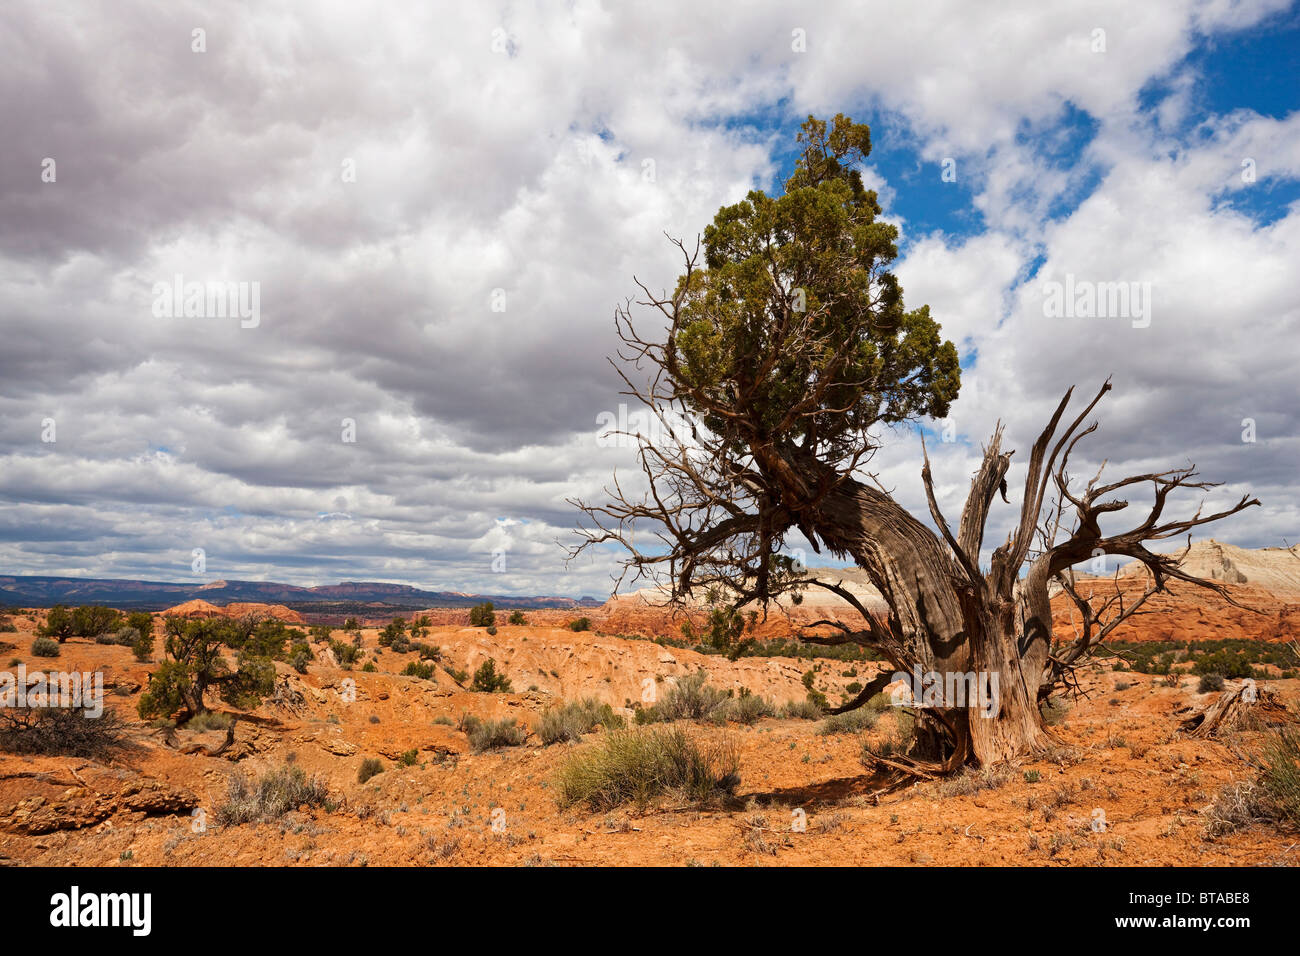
(818, 255)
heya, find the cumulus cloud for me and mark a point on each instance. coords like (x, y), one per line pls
(441, 205)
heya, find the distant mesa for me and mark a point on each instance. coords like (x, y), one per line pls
(239, 609)
(194, 609)
(278, 611)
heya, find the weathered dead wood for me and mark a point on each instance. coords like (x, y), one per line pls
(1240, 707)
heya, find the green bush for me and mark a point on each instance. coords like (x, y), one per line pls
(850, 722)
(482, 615)
(1225, 663)
(409, 758)
(490, 734)
(92, 619)
(196, 662)
(142, 621)
(517, 617)
(418, 669)
(345, 653)
(208, 720)
(300, 655)
(723, 630)
(581, 624)
(369, 768)
(814, 695)
(746, 709)
(570, 721)
(58, 624)
(640, 766)
(44, 647)
(488, 681)
(1209, 683)
(392, 631)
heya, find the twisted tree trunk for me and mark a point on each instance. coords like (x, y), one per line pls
(990, 631)
(939, 624)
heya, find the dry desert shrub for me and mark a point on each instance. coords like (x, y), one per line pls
(442, 846)
(208, 720)
(971, 781)
(44, 647)
(1054, 710)
(1235, 807)
(855, 721)
(691, 698)
(60, 731)
(802, 710)
(760, 838)
(1280, 778)
(273, 795)
(641, 766)
(1273, 797)
(829, 824)
(894, 744)
(369, 768)
(577, 717)
(491, 734)
(746, 709)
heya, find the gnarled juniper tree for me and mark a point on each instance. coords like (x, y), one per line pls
(783, 348)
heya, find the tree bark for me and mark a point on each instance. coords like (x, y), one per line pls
(940, 623)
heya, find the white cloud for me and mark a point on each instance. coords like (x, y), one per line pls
(478, 171)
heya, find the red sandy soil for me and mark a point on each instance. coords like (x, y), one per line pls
(1120, 753)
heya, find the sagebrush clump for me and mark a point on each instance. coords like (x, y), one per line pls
(271, 796)
(570, 721)
(640, 766)
(491, 734)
